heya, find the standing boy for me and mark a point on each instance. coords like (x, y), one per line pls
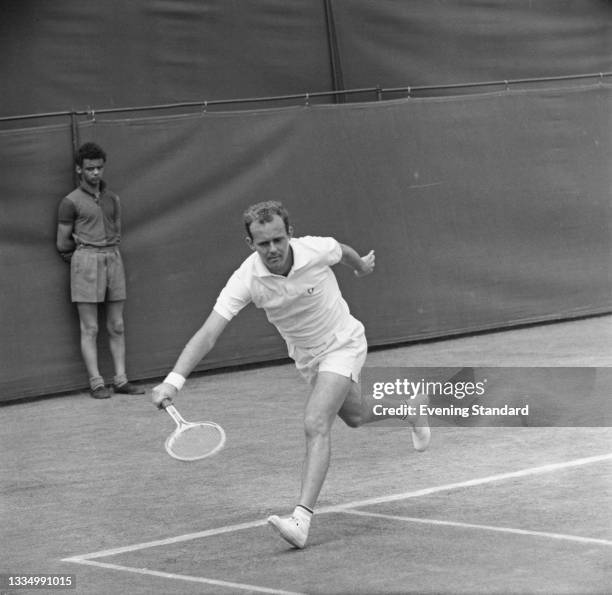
(88, 236)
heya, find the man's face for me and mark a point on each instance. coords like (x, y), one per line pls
(271, 241)
(91, 171)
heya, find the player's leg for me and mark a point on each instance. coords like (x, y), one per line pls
(358, 410)
(88, 319)
(328, 394)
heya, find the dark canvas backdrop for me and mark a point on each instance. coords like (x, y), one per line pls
(485, 211)
(425, 42)
(81, 54)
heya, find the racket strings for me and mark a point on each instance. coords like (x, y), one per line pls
(195, 442)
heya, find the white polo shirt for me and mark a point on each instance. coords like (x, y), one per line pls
(306, 306)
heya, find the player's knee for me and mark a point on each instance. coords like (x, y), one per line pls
(353, 419)
(316, 424)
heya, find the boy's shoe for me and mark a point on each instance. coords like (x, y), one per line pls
(100, 392)
(127, 388)
(291, 529)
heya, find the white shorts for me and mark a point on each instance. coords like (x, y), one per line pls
(344, 354)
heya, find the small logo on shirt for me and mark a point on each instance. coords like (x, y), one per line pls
(311, 290)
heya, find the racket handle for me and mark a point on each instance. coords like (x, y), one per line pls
(165, 403)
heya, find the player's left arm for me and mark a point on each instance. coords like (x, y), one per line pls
(361, 265)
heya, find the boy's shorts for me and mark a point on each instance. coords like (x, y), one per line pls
(97, 275)
(344, 354)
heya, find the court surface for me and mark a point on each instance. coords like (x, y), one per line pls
(88, 490)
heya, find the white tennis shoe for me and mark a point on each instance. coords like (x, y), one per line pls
(291, 529)
(421, 436)
(421, 433)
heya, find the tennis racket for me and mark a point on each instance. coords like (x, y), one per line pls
(192, 441)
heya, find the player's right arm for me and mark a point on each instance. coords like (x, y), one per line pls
(233, 297)
(196, 349)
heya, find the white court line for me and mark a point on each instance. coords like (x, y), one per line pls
(408, 519)
(347, 506)
(189, 578)
(88, 558)
(169, 541)
(468, 483)
(425, 185)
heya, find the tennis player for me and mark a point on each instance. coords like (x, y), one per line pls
(292, 280)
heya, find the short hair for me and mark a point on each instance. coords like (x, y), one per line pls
(89, 151)
(263, 212)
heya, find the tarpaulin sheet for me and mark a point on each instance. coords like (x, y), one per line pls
(38, 334)
(485, 211)
(81, 54)
(395, 43)
(76, 54)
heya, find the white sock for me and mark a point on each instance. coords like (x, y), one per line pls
(303, 514)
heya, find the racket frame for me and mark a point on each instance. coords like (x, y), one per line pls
(183, 425)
